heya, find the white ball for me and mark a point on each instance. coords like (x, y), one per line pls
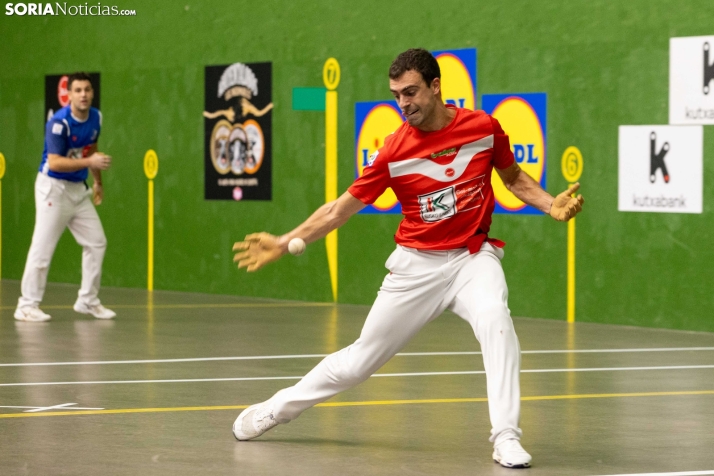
(296, 246)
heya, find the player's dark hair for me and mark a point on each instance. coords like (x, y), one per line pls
(416, 59)
(78, 76)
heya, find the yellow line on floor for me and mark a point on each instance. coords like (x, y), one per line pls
(195, 306)
(361, 404)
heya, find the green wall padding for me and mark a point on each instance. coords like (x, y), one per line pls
(602, 64)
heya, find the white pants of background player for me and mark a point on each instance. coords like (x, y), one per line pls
(62, 204)
(420, 286)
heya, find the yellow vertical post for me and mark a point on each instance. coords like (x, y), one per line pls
(331, 78)
(571, 165)
(151, 168)
(2, 174)
(571, 270)
(150, 264)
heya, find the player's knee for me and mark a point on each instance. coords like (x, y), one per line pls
(100, 244)
(496, 314)
(42, 265)
(350, 366)
(336, 365)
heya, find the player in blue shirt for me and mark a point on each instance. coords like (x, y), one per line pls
(62, 200)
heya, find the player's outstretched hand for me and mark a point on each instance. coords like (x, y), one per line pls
(256, 251)
(565, 206)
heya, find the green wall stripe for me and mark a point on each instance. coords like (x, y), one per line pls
(309, 99)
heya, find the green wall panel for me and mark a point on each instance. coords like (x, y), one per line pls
(602, 63)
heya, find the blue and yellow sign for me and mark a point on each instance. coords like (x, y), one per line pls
(458, 76)
(375, 120)
(523, 118)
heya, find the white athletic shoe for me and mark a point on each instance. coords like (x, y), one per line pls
(31, 314)
(98, 311)
(254, 421)
(511, 454)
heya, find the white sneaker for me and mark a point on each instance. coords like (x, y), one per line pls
(31, 314)
(254, 421)
(511, 454)
(98, 311)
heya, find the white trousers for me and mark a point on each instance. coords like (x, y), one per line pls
(60, 204)
(420, 286)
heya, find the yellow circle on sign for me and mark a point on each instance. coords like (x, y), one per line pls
(379, 123)
(520, 122)
(456, 85)
(331, 74)
(151, 164)
(572, 164)
(2, 165)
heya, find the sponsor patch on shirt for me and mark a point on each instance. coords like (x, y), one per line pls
(447, 202)
(57, 129)
(450, 151)
(372, 158)
(436, 206)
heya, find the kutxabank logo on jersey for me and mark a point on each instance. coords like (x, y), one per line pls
(691, 80)
(523, 118)
(375, 120)
(660, 169)
(448, 201)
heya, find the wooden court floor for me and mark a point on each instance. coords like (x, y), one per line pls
(156, 392)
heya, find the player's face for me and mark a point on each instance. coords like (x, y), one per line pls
(81, 95)
(416, 99)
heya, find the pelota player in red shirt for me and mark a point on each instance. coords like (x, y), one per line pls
(439, 164)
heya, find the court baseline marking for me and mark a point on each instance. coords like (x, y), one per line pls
(316, 356)
(66, 406)
(681, 473)
(367, 403)
(193, 306)
(406, 374)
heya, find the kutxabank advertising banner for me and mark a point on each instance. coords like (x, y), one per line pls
(660, 169)
(691, 80)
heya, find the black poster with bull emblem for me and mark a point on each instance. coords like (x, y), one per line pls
(57, 96)
(238, 132)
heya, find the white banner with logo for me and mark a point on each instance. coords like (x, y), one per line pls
(691, 80)
(660, 169)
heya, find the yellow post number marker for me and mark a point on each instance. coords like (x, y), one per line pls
(571, 165)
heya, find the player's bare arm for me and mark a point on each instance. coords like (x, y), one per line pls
(97, 187)
(96, 161)
(259, 249)
(563, 207)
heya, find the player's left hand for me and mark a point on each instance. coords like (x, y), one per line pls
(256, 251)
(97, 193)
(565, 206)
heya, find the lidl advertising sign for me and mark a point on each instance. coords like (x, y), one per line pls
(523, 118)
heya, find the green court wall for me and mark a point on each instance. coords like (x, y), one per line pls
(602, 64)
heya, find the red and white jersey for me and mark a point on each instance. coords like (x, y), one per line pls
(442, 179)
